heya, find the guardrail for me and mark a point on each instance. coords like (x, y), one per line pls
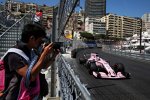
(71, 87)
(128, 53)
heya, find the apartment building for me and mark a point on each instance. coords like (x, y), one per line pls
(47, 13)
(95, 26)
(146, 17)
(16, 6)
(146, 22)
(95, 8)
(121, 26)
(76, 22)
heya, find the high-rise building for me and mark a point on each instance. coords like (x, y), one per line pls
(146, 22)
(146, 17)
(18, 6)
(95, 26)
(95, 8)
(121, 26)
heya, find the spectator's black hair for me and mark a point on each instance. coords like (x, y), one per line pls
(37, 10)
(41, 10)
(32, 30)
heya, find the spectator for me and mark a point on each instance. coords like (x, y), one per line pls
(16, 66)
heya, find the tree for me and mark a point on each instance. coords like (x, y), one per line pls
(87, 35)
(100, 36)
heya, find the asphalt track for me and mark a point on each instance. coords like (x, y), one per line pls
(136, 88)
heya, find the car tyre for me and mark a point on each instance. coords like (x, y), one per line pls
(119, 67)
(128, 75)
(93, 67)
(82, 60)
(73, 54)
(98, 75)
(87, 65)
(102, 69)
(90, 72)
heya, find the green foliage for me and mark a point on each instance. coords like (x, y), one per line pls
(100, 36)
(116, 38)
(86, 35)
(93, 36)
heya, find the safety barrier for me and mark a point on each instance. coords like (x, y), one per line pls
(128, 53)
(71, 87)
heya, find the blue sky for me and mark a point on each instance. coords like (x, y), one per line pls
(131, 8)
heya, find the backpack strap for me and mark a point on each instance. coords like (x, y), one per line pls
(28, 73)
(17, 51)
(31, 64)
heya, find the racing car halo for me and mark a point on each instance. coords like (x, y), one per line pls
(100, 68)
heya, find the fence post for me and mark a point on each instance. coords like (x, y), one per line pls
(53, 68)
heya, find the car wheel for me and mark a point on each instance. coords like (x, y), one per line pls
(90, 72)
(101, 68)
(93, 67)
(87, 65)
(82, 60)
(98, 75)
(119, 67)
(73, 54)
(127, 75)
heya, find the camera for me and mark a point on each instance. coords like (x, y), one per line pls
(57, 45)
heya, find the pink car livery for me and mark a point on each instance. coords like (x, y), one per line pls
(100, 68)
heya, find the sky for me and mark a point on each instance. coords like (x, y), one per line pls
(131, 8)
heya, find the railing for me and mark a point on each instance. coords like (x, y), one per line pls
(70, 84)
(7, 18)
(3, 18)
(128, 53)
(13, 33)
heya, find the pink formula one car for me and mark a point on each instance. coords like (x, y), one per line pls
(100, 68)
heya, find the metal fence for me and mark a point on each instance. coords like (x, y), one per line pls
(13, 33)
(65, 11)
(135, 54)
(70, 84)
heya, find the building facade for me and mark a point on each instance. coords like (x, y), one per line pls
(95, 26)
(75, 23)
(146, 17)
(121, 26)
(16, 6)
(95, 8)
(146, 22)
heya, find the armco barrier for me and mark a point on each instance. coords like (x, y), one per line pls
(71, 87)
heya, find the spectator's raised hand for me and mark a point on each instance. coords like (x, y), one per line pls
(48, 49)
